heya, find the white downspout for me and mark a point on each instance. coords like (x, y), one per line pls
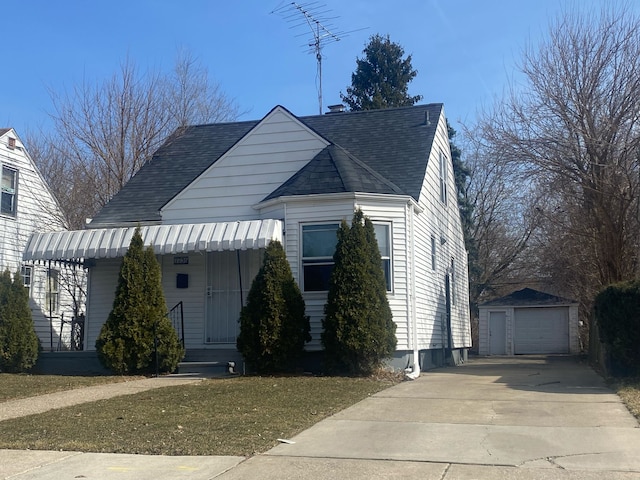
(411, 266)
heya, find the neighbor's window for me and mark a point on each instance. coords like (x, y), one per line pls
(443, 177)
(383, 236)
(52, 297)
(318, 246)
(8, 188)
(27, 274)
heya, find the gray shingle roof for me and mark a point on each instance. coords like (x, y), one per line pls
(334, 170)
(527, 296)
(374, 151)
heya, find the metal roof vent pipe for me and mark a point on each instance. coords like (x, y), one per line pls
(339, 108)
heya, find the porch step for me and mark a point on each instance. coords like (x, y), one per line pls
(206, 369)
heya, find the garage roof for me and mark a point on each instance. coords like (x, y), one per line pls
(529, 297)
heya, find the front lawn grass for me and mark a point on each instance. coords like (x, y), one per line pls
(228, 416)
(13, 386)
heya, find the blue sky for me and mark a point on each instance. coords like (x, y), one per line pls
(464, 50)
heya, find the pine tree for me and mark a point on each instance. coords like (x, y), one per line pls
(126, 343)
(382, 77)
(359, 332)
(273, 324)
(18, 340)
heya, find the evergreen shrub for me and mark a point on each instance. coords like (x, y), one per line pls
(358, 328)
(126, 344)
(273, 324)
(19, 343)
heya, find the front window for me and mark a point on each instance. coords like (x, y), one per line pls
(318, 246)
(8, 189)
(52, 296)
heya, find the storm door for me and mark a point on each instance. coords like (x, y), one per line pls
(229, 277)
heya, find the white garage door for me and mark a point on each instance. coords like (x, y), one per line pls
(541, 330)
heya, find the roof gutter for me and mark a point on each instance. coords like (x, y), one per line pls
(358, 196)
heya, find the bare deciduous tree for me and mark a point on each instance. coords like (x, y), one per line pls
(104, 132)
(574, 127)
(504, 218)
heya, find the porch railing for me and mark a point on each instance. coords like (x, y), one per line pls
(176, 315)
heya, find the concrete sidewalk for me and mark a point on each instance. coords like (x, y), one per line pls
(493, 418)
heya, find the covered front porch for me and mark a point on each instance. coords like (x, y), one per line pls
(207, 269)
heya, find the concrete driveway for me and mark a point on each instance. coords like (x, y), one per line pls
(493, 418)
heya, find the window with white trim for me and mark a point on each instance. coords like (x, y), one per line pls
(52, 296)
(27, 274)
(383, 236)
(318, 246)
(443, 177)
(8, 188)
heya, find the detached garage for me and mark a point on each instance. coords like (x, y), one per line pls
(528, 322)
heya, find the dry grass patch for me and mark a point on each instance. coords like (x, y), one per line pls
(629, 392)
(13, 386)
(230, 416)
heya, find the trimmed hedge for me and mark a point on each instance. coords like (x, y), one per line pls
(273, 324)
(126, 344)
(19, 343)
(358, 328)
(617, 311)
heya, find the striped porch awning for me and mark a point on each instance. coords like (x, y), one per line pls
(166, 240)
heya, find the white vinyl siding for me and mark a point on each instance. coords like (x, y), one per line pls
(439, 238)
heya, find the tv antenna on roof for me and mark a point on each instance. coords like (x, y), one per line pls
(313, 15)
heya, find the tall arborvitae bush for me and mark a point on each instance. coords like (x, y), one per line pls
(18, 340)
(359, 332)
(273, 324)
(126, 343)
(617, 311)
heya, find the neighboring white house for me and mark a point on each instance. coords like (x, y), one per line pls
(214, 195)
(28, 206)
(528, 322)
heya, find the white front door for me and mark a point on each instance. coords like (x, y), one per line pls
(497, 333)
(229, 278)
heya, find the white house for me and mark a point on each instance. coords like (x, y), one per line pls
(214, 195)
(28, 206)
